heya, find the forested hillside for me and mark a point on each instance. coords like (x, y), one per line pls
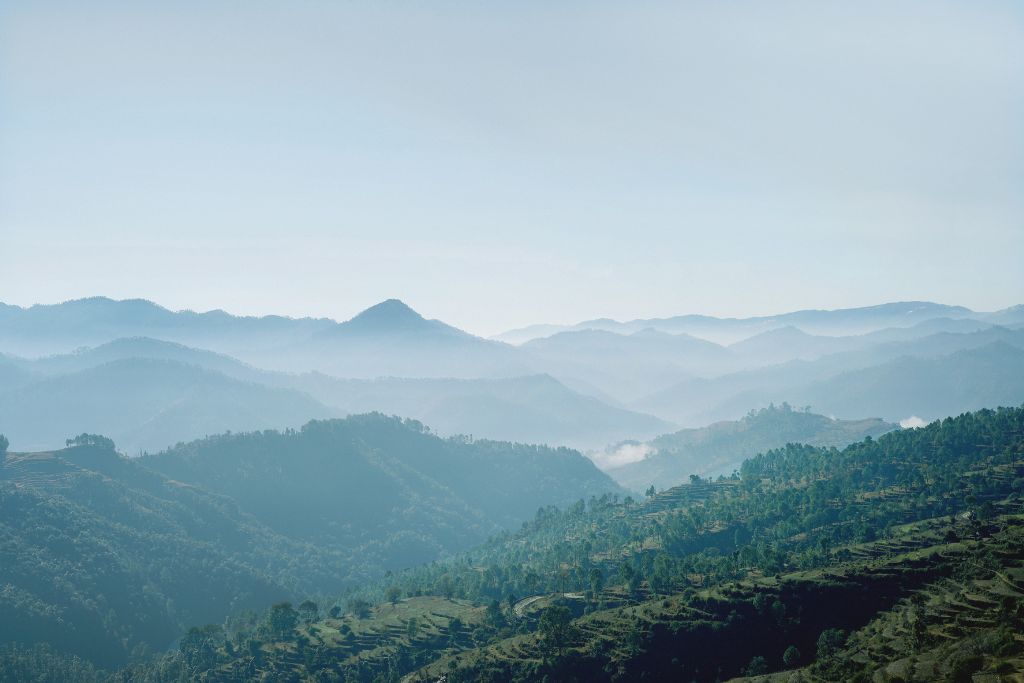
(107, 558)
(383, 485)
(771, 570)
(721, 447)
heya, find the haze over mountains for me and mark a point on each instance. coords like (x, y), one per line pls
(720, 448)
(149, 377)
(250, 483)
(839, 322)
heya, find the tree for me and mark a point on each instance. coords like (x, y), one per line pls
(255, 650)
(444, 586)
(393, 594)
(791, 657)
(830, 641)
(661, 577)
(495, 617)
(635, 581)
(283, 619)
(758, 666)
(359, 608)
(4, 443)
(596, 581)
(454, 629)
(309, 612)
(626, 572)
(650, 491)
(199, 646)
(556, 629)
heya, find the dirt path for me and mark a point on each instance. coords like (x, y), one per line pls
(520, 606)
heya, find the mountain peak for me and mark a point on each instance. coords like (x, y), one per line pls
(390, 310)
(392, 316)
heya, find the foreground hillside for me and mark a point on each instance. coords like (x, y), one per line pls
(896, 557)
(105, 559)
(722, 447)
(382, 486)
(110, 558)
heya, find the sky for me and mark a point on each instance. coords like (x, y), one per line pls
(499, 163)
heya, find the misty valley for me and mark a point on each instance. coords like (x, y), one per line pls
(810, 496)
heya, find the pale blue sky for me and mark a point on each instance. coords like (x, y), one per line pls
(501, 163)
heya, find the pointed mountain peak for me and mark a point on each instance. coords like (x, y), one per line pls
(394, 317)
(389, 311)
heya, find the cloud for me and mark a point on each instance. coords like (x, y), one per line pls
(912, 422)
(623, 454)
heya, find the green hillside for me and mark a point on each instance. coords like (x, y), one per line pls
(382, 485)
(107, 560)
(111, 559)
(721, 447)
(912, 543)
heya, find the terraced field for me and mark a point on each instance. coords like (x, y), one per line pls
(968, 593)
(362, 646)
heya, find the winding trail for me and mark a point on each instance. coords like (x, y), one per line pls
(520, 606)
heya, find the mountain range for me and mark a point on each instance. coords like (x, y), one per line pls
(150, 377)
(839, 322)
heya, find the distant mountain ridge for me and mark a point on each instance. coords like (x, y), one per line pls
(721, 447)
(147, 404)
(942, 374)
(44, 329)
(849, 321)
(62, 327)
(149, 394)
(608, 380)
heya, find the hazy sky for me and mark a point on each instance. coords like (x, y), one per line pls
(501, 163)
